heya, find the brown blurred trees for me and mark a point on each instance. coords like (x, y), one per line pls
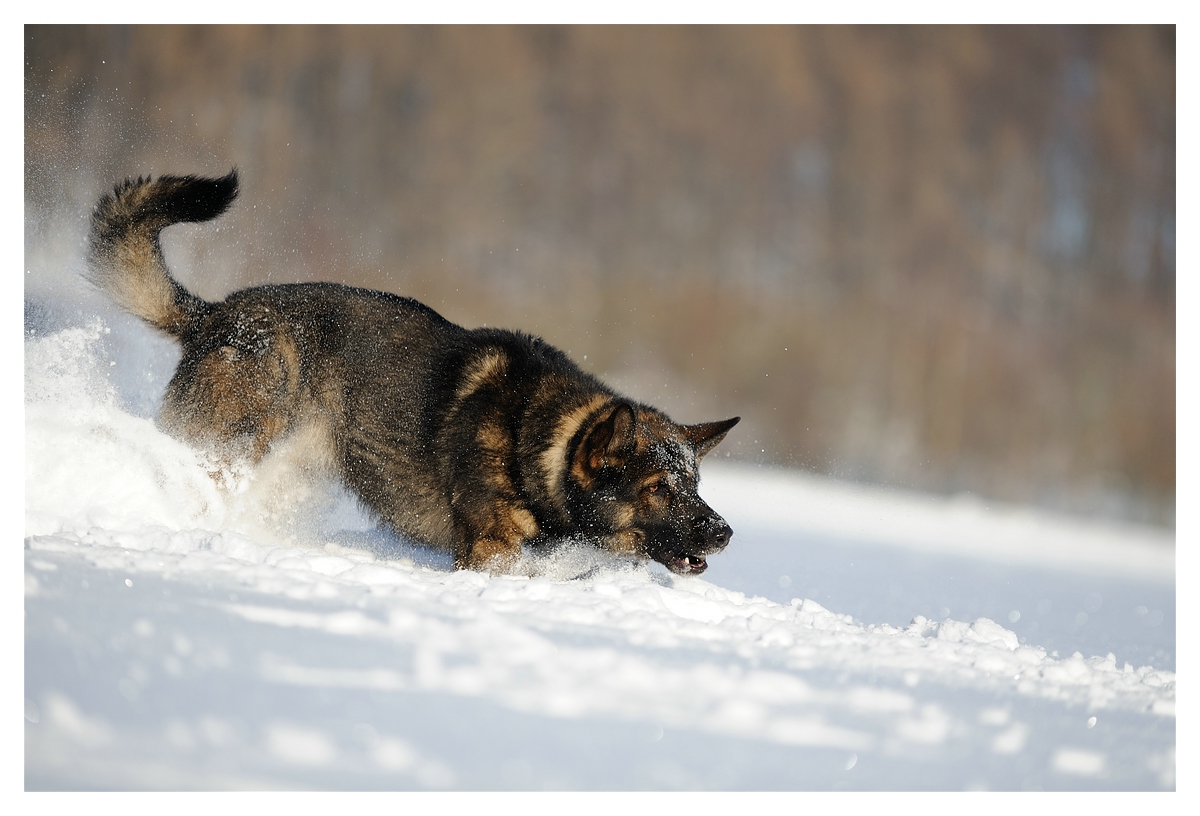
(936, 257)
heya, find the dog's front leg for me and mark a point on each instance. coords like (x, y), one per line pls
(491, 520)
(491, 534)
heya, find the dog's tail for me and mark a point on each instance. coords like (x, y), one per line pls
(125, 258)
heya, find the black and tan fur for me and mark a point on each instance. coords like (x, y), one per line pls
(477, 441)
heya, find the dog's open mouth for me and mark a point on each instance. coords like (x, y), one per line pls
(685, 564)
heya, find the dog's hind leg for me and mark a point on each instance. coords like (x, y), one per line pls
(233, 403)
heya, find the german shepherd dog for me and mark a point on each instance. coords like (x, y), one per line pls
(474, 441)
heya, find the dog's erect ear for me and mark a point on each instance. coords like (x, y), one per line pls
(705, 436)
(610, 441)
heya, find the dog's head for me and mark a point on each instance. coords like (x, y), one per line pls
(634, 474)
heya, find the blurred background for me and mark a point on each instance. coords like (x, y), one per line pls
(936, 258)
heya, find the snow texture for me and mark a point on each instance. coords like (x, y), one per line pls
(257, 630)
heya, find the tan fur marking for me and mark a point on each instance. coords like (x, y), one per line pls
(624, 541)
(493, 555)
(492, 364)
(290, 357)
(509, 521)
(493, 438)
(623, 516)
(495, 451)
(525, 523)
(554, 458)
(148, 292)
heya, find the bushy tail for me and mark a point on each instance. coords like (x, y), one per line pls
(125, 258)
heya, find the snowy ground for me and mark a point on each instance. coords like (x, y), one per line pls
(178, 637)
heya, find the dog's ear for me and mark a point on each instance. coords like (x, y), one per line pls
(610, 441)
(705, 436)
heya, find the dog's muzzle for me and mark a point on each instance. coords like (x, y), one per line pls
(713, 535)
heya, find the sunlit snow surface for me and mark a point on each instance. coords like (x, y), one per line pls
(268, 636)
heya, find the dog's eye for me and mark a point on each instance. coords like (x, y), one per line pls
(658, 488)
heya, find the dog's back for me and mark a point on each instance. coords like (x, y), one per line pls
(476, 441)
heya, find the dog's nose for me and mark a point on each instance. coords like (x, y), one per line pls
(719, 535)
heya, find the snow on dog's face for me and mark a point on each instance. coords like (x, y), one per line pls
(635, 473)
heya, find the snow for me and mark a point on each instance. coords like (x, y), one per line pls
(263, 633)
